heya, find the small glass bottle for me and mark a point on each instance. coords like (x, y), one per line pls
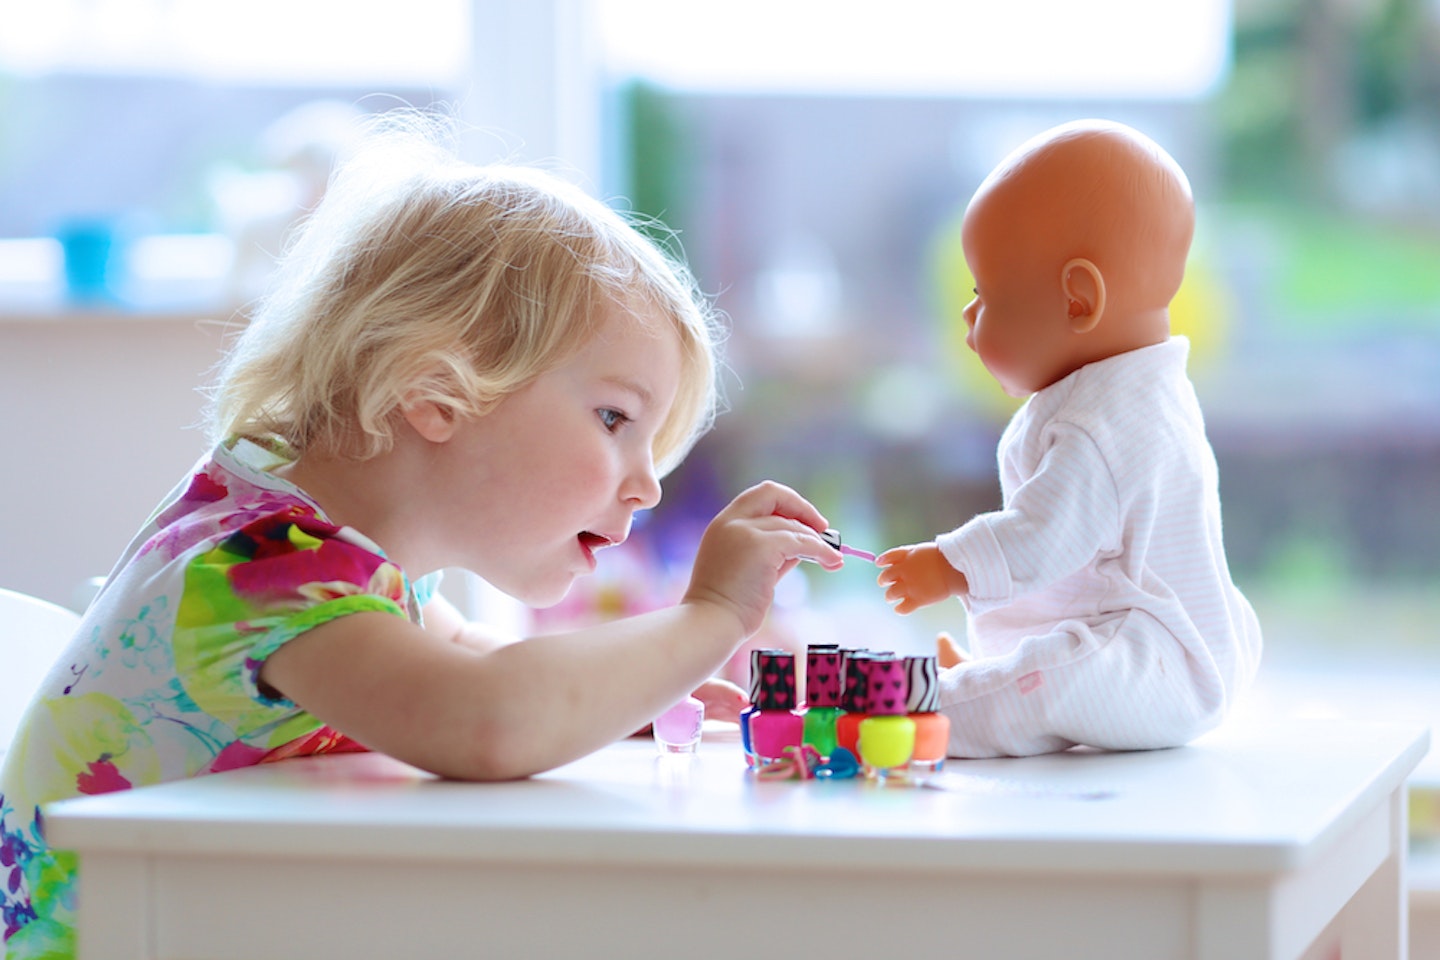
(852, 700)
(887, 735)
(776, 723)
(678, 729)
(822, 696)
(932, 728)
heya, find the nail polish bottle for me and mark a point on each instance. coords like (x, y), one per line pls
(932, 728)
(887, 735)
(777, 723)
(822, 696)
(678, 729)
(753, 695)
(852, 699)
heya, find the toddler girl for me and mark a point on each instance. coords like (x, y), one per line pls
(459, 366)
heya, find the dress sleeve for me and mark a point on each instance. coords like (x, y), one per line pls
(270, 581)
(426, 587)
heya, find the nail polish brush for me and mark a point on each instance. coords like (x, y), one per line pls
(832, 537)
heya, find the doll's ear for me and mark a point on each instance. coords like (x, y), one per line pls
(429, 419)
(1084, 287)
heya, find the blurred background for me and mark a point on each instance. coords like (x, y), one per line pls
(814, 159)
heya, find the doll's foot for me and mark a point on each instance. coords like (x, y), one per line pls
(948, 652)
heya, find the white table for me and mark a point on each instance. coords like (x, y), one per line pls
(1276, 841)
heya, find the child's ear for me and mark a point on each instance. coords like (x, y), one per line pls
(1084, 287)
(429, 419)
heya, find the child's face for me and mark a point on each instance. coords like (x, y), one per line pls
(557, 469)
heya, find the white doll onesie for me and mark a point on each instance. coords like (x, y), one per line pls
(1101, 607)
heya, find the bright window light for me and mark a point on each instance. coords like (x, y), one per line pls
(419, 42)
(1143, 49)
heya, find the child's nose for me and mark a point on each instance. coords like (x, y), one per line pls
(642, 487)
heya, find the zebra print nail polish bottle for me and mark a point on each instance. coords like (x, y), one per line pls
(932, 728)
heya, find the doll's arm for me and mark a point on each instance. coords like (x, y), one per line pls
(918, 575)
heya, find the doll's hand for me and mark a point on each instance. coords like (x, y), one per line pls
(723, 700)
(917, 576)
(750, 545)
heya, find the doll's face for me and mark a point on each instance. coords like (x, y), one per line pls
(1077, 242)
(1017, 320)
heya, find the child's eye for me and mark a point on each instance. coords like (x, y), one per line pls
(613, 419)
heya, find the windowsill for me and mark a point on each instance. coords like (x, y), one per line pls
(179, 275)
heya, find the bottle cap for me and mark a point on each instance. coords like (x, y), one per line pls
(776, 673)
(822, 676)
(852, 697)
(923, 675)
(886, 687)
(753, 693)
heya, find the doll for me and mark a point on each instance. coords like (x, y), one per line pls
(1101, 607)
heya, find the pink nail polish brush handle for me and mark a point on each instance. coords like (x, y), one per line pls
(832, 537)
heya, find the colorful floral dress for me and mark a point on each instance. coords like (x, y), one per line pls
(161, 680)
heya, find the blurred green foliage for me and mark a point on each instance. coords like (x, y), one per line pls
(658, 156)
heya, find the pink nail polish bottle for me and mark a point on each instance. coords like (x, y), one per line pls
(678, 729)
(887, 735)
(776, 723)
(932, 728)
(822, 696)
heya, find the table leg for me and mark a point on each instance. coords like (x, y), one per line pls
(1376, 920)
(1347, 902)
(115, 897)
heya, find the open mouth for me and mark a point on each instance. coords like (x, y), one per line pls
(592, 542)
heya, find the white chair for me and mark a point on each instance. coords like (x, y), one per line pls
(33, 632)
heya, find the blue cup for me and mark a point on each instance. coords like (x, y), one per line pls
(93, 263)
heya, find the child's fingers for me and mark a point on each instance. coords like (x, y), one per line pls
(723, 700)
(775, 508)
(769, 498)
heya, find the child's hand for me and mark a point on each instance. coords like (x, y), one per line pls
(723, 700)
(917, 576)
(751, 544)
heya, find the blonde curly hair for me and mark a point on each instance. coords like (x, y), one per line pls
(422, 277)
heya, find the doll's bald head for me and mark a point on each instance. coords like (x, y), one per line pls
(1093, 221)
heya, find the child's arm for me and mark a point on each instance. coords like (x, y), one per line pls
(444, 621)
(723, 700)
(526, 707)
(917, 576)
